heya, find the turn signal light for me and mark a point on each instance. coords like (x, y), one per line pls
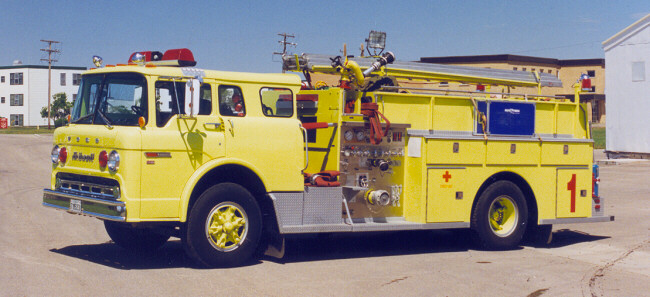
(63, 155)
(103, 159)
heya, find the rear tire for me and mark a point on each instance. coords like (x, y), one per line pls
(134, 239)
(500, 216)
(224, 226)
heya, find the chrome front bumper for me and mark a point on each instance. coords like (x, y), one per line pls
(94, 207)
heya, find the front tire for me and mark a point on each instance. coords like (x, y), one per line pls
(500, 216)
(134, 239)
(224, 226)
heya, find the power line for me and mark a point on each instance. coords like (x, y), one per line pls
(49, 60)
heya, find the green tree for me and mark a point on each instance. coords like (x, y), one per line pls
(59, 109)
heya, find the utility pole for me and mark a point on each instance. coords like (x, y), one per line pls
(284, 43)
(49, 60)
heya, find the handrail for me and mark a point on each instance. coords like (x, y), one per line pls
(472, 92)
(306, 148)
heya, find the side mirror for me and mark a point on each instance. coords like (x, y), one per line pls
(192, 97)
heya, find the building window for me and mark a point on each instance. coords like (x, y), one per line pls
(523, 69)
(63, 79)
(16, 78)
(2, 100)
(16, 100)
(593, 89)
(541, 71)
(2, 79)
(76, 78)
(591, 73)
(638, 71)
(16, 119)
(532, 69)
(74, 97)
(550, 71)
(443, 84)
(514, 68)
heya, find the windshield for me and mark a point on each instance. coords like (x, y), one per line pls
(111, 99)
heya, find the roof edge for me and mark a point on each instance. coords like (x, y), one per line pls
(618, 37)
(44, 67)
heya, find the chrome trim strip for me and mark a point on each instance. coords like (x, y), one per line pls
(577, 220)
(87, 213)
(365, 227)
(83, 198)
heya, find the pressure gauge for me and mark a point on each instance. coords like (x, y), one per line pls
(349, 135)
(361, 135)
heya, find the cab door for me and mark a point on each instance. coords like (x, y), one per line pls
(261, 130)
(175, 145)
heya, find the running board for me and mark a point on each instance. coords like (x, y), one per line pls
(577, 220)
(362, 226)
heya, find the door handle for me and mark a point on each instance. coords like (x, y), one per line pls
(232, 127)
(216, 125)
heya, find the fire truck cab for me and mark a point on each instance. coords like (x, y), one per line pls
(231, 162)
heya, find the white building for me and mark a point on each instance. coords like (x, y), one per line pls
(627, 55)
(23, 91)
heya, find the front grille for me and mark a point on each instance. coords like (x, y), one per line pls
(90, 186)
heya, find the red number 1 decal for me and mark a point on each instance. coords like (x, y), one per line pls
(571, 186)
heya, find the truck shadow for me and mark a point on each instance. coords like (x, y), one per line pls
(308, 248)
(566, 237)
(170, 255)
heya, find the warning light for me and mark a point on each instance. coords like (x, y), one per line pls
(585, 82)
(174, 57)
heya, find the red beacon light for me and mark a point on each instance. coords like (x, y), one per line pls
(585, 82)
(181, 57)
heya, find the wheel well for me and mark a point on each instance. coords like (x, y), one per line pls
(234, 174)
(531, 202)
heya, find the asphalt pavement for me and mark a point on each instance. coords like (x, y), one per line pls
(53, 253)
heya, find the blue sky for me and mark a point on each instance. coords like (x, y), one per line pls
(241, 35)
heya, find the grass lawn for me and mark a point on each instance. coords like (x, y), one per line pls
(27, 130)
(598, 134)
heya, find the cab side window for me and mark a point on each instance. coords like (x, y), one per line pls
(276, 102)
(205, 102)
(231, 101)
(170, 100)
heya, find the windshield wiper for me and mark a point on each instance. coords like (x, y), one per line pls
(101, 114)
(83, 118)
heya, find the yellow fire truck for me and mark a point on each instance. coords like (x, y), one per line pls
(231, 162)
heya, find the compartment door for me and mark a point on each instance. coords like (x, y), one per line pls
(447, 197)
(573, 192)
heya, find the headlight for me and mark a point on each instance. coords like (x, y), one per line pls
(113, 161)
(59, 154)
(55, 154)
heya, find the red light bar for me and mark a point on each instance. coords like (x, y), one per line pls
(183, 56)
(174, 57)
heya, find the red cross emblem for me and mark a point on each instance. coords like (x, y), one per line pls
(446, 176)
